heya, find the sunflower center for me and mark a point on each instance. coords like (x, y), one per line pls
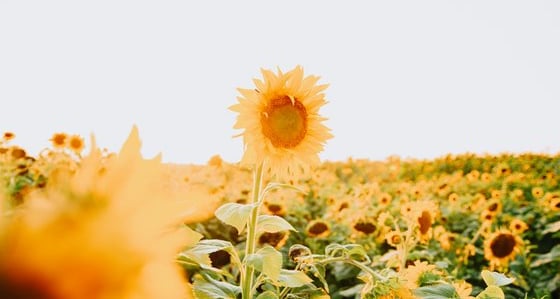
(318, 228)
(502, 245)
(425, 222)
(365, 227)
(284, 122)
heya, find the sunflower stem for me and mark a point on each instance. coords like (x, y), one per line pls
(247, 278)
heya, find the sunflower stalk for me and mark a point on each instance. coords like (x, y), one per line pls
(247, 278)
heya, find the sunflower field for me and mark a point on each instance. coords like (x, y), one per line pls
(79, 223)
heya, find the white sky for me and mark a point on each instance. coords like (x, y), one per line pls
(412, 78)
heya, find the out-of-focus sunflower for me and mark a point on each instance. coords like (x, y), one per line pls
(501, 247)
(463, 289)
(91, 234)
(59, 140)
(394, 238)
(365, 226)
(76, 144)
(281, 121)
(384, 199)
(417, 274)
(518, 226)
(276, 240)
(537, 192)
(318, 229)
(7, 136)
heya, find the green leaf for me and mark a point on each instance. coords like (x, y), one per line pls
(208, 288)
(271, 186)
(293, 278)
(491, 292)
(495, 278)
(437, 291)
(199, 253)
(267, 295)
(268, 261)
(552, 228)
(272, 224)
(234, 214)
(552, 256)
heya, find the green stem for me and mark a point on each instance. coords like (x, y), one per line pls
(247, 278)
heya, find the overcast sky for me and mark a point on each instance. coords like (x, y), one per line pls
(411, 78)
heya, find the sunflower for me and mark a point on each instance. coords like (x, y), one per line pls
(7, 136)
(76, 143)
(501, 247)
(537, 192)
(419, 274)
(384, 199)
(59, 140)
(393, 238)
(463, 289)
(518, 226)
(276, 240)
(281, 121)
(70, 241)
(318, 229)
(365, 226)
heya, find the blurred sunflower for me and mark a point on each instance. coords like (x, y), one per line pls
(518, 226)
(276, 240)
(59, 140)
(318, 228)
(419, 273)
(501, 247)
(76, 144)
(393, 238)
(7, 136)
(70, 241)
(463, 289)
(281, 121)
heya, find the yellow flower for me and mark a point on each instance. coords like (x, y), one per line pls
(76, 143)
(281, 121)
(537, 192)
(59, 140)
(393, 238)
(518, 226)
(463, 289)
(276, 240)
(501, 247)
(105, 231)
(7, 136)
(413, 274)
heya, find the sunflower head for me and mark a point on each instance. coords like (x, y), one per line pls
(7, 136)
(59, 140)
(281, 121)
(318, 228)
(501, 247)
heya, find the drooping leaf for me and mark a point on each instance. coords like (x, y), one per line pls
(235, 214)
(200, 252)
(273, 224)
(208, 288)
(552, 228)
(293, 278)
(495, 278)
(552, 256)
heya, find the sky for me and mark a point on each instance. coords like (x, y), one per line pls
(410, 78)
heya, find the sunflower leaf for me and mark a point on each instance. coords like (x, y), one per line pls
(208, 288)
(268, 261)
(293, 278)
(267, 295)
(235, 214)
(273, 224)
(437, 291)
(552, 228)
(495, 278)
(552, 256)
(491, 292)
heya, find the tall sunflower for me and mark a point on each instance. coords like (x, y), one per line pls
(281, 121)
